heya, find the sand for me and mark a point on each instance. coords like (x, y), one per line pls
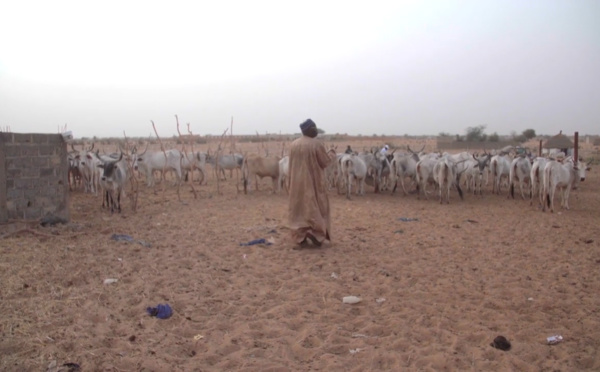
(434, 291)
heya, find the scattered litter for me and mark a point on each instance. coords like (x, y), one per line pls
(472, 221)
(359, 335)
(198, 337)
(407, 219)
(244, 256)
(398, 231)
(334, 275)
(130, 239)
(110, 281)
(553, 340)
(257, 241)
(380, 300)
(273, 231)
(354, 351)
(351, 300)
(122, 237)
(161, 311)
(530, 299)
(501, 343)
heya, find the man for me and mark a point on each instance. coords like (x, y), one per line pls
(308, 210)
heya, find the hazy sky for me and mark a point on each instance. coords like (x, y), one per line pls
(377, 67)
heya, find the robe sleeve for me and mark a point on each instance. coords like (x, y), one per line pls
(322, 157)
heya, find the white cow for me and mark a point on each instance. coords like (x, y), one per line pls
(113, 178)
(520, 171)
(88, 168)
(425, 174)
(475, 171)
(255, 166)
(149, 162)
(402, 166)
(224, 162)
(500, 170)
(563, 176)
(537, 179)
(284, 171)
(352, 168)
(192, 161)
(446, 174)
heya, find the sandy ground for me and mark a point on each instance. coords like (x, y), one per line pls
(435, 291)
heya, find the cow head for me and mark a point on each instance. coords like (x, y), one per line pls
(109, 169)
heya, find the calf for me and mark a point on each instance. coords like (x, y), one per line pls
(255, 166)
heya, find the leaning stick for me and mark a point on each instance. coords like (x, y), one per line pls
(192, 145)
(165, 165)
(132, 180)
(219, 150)
(186, 157)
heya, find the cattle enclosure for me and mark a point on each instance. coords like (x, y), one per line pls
(438, 283)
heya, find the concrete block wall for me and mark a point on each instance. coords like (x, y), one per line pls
(33, 176)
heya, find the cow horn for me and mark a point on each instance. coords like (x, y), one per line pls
(91, 148)
(422, 148)
(73, 147)
(146, 149)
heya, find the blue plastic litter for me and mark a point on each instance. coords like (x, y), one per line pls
(130, 239)
(256, 241)
(120, 237)
(407, 219)
(161, 311)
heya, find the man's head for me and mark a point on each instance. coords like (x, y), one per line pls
(309, 128)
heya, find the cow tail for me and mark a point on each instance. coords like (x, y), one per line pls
(245, 174)
(547, 186)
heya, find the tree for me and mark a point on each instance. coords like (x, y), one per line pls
(476, 134)
(494, 137)
(320, 131)
(529, 133)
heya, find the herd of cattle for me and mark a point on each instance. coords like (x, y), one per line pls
(538, 178)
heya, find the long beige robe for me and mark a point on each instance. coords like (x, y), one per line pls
(308, 209)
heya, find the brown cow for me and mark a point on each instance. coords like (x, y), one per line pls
(255, 166)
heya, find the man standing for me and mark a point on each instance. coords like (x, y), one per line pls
(308, 210)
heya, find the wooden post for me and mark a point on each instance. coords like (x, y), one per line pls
(576, 148)
(540, 149)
